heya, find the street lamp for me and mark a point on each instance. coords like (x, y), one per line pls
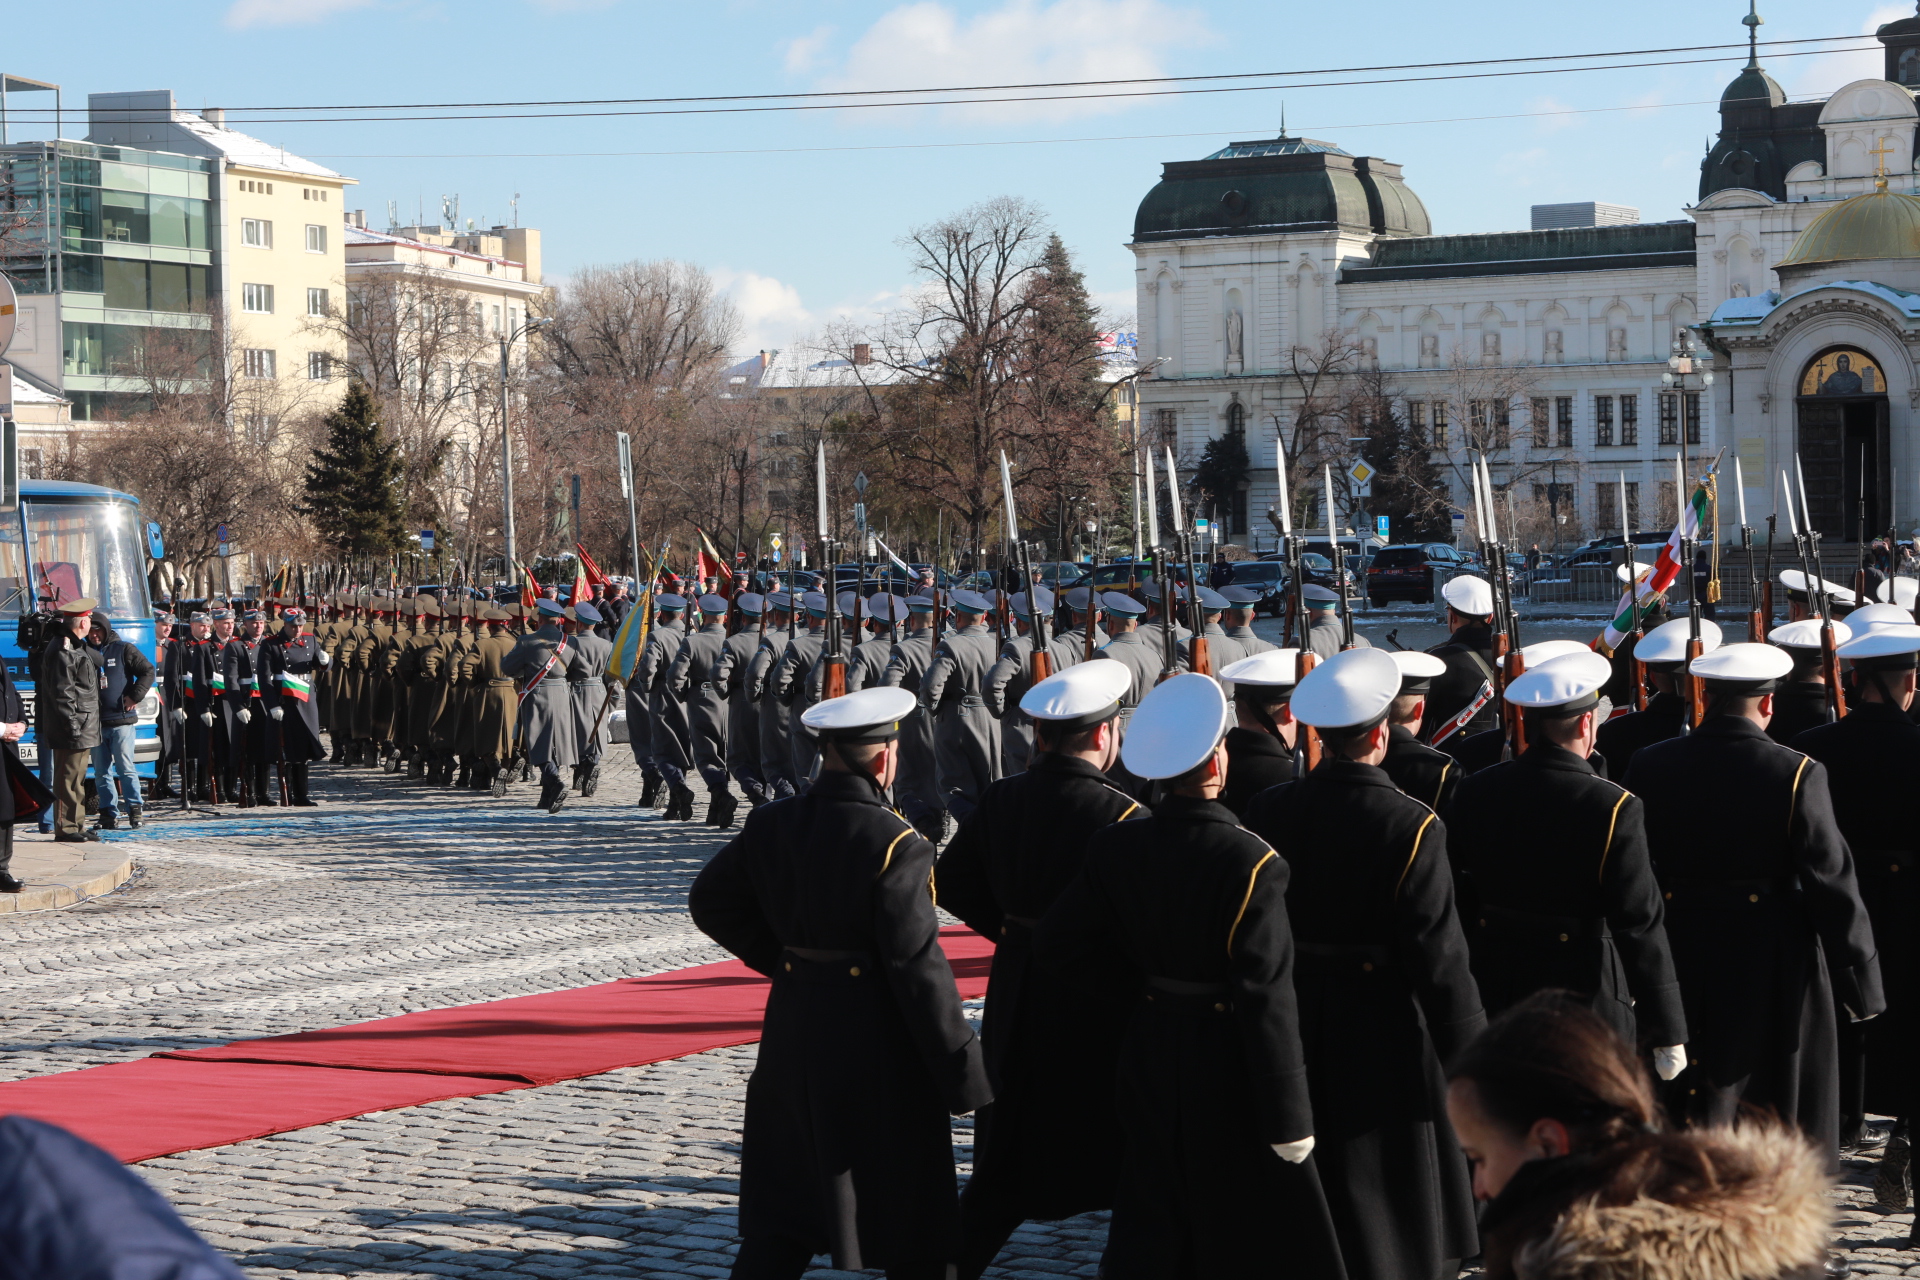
(506, 438)
(1686, 371)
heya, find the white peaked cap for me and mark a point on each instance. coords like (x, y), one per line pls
(1469, 595)
(1084, 691)
(1743, 663)
(1543, 651)
(1871, 616)
(1900, 591)
(1632, 571)
(1668, 641)
(1571, 677)
(1272, 668)
(1882, 642)
(1417, 665)
(1794, 580)
(1805, 634)
(1352, 687)
(871, 715)
(1176, 726)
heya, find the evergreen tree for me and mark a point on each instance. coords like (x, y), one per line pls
(1224, 467)
(354, 483)
(1406, 484)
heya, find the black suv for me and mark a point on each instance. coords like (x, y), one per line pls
(1406, 572)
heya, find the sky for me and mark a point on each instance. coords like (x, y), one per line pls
(798, 214)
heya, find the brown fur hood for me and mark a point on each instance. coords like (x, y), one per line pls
(1761, 1212)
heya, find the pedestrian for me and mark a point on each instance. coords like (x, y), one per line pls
(1383, 985)
(1049, 1146)
(589, 689)
(292, 663)
(538, 662)
(695, 679)
(1460, 701)
(1260, 746)
(1187, 911)
(966, 736)
(1588, 918)
(66, 718)
(846, 1147)
(1221, 573)
(1663, 652)
(127, 678)
(1587, 1182)
(1763, 912)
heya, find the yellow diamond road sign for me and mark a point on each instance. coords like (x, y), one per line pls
(1360, 472)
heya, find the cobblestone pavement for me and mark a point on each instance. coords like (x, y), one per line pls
(394, 897)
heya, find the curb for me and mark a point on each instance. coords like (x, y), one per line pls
(101, 873)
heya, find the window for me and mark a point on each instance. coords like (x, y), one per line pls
(496, 319)
(313, 193)
(316, 238)
(132, 285)
(1669, 418)
(1439, 437)
(1669, 511)
(1693, 417)
(1629, 420)
(258, 362)
(319, 366)
(256, 187)
(1237, 417)
(1417, 414)
(317, 302)
(1603, 420)
(1539, 416)
(1559, 499)
(257, 298)
(1491, 422)
(1606, 505)
(1563, 421)
(1502, 424)
(1167, 421)
(256, 233)
(261, 427)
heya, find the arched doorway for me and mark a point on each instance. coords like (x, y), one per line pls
(1841, 402)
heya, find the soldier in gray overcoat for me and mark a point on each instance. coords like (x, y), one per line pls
(587, 686)
(1007, 682)
(966, 737)
(917, 787)
(1144, 653)
(672, 755)
(795, 692)
(867, 668)
(776, 752)
(1238, 619)
(695, 679)
(730, 675)
(538, 663)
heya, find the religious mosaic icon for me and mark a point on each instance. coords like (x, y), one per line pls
(1843, 371)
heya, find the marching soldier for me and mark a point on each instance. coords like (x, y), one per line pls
(1187, 911)
(1875, 742)
(695, 678)
(1419, 770)
(867, 668)
(1260, 745)
(1157, 613)
(1222, 649)
(918, 788)
(1049, 1145)
(291, 666)
(1083, 610)
(1460, 701)
(1383, 982)
(966, 737)
(731, 677)
(846, 1146)
(252, 734)
(538, 662)
(1763, 912)
(1663, 651)
(1006, 683)
(672, 753)
(231, 676)
(1800, 703)
(1242, 602)
(776, 751)
(794, 687)
(498, 717)
(1587, 915)
(422, 690)
(1326, 633)
(588, 686)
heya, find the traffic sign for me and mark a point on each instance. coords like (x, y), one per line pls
(860, 484)
(1380, 525)
(1360, 472)
(775, 539)
(426, 540)
(220, 533)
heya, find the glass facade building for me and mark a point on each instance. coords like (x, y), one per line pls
(122, 240)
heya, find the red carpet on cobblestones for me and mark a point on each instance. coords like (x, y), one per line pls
(180, 1101)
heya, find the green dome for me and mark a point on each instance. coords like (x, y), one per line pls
(1277, 185)
(1877, 225)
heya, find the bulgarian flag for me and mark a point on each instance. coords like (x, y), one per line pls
(1639, 596)
(595, 578)
(712, 566)
(529, 590)
(219, 680)
(296, 686)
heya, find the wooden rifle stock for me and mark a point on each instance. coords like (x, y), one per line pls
(1303, 662)
(1516, 666)
(1198, 656)
(1756, 625)
(1696, 688)
(1830, 667)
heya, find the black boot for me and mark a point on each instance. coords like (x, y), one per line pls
(550, 789)
(466, 775)
(7, 882)
(575, 784)
(133, 816)
(297, 784)
(263, 790)
(108, 822)
(720, 809)
(683, 798)
(561, 794)
(526, 769)
(650, 793)
(417, 767)
(339, 756)
(497, 779)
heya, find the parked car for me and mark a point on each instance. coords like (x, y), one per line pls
(1600, 554)
(1406, 571)
(1116, 576)
(1269, 577)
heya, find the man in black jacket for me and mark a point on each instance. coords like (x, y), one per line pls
(66, 719)
(126, 679)
(1049, 1146)
(1663, 651)
(1801, 701)
(1427, 775)
(865, 1052)
(1460, 700)
(1260, 746)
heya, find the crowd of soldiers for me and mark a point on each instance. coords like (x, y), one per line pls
(1245, 916)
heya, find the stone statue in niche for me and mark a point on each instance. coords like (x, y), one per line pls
(1616, 345)
(1490, 348)
(1429, 350)
(1369, 353)
(1553, 352)
(1236, 335)
(1739, 289)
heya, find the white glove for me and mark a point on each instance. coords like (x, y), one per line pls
(245, 715)
(206, 718)
(278, 713)
(326, 659)
(1670, 1061)
(180, 715)
(1294, 1152)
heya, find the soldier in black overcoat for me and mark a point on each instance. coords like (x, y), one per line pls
(1800, 703)
(1468, 653)
(1763, 912)
(292, 663)
(1385, 991)
(846, 1147)
(1049, 1146)
(1260, 746)
(1189, 909)
(188, 680)
(1427, 775)
(1581, 912)
(1663, 651)
(1867, 756)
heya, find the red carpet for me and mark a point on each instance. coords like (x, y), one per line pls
(251, 1088)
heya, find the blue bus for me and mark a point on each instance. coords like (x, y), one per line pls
(67, 541)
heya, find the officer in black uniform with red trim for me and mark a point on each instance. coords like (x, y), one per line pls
(1663, 651)
(1468, 653)
(846, 1148)
(1426, 774)
(1049, 1146)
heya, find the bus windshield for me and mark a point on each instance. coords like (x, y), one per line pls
(78, 549)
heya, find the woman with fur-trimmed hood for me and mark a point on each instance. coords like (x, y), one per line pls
(1558, 1119)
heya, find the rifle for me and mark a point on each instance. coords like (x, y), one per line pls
(1198, 659)
(1756, 625)
(1817, 589)
(833, 676)
(1345, 606)
(1306, 743)
(1507, 662)
(1040, 661)
(1766, 585)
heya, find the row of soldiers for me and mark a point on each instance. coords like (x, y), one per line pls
(1227, 978)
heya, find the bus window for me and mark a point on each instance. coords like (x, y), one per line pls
(86, 549)
(13, 568)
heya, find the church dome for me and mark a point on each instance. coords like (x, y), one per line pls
(1275, 186)
(1877, 225)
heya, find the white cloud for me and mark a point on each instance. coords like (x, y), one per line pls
(287, 13)
(771, 311)
(1023, 41)
(1823, 74)
(1552, 115)
(804, 53)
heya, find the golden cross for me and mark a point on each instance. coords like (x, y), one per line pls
(1880, 154)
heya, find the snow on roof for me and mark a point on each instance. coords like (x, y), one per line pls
(244, 149)
(25, 392)
(1743, 312)
(360, 235)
